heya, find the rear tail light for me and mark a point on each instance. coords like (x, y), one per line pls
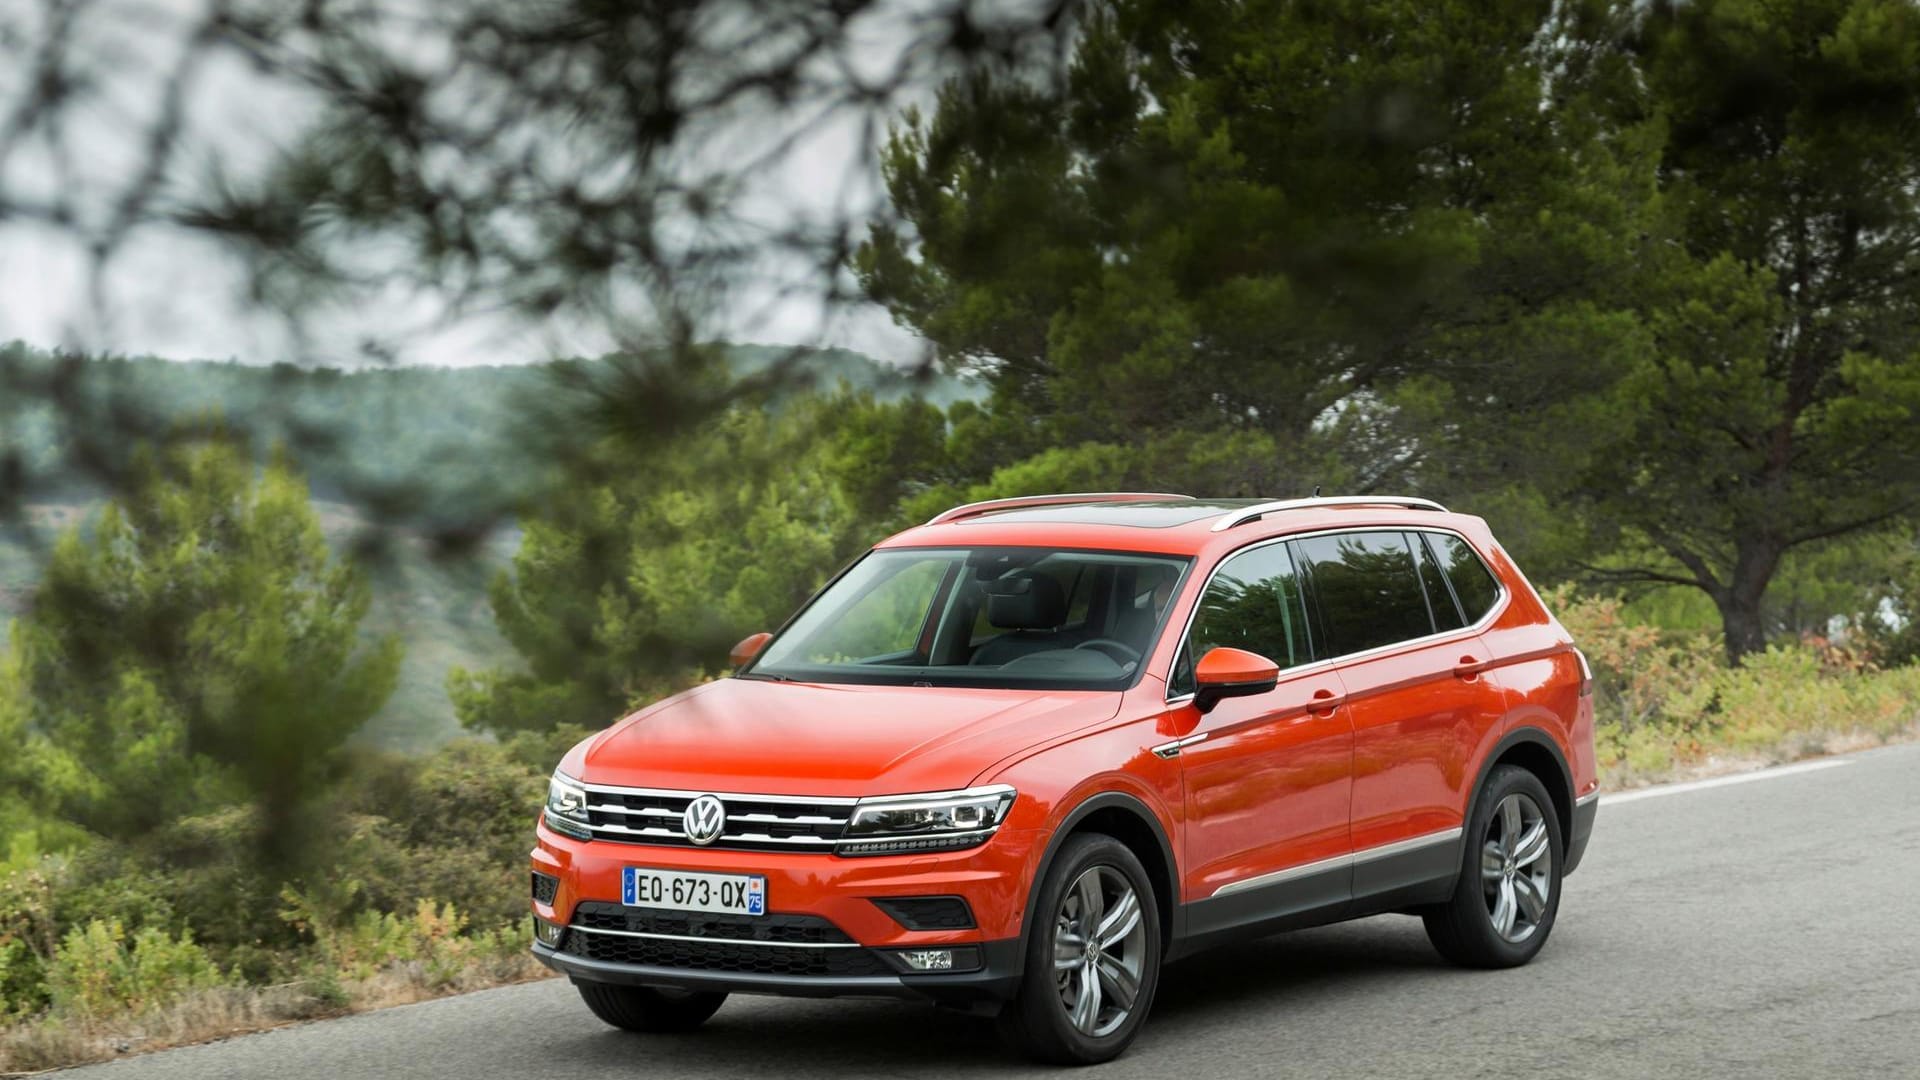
(1586, 674)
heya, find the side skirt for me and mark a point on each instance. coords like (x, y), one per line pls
(1405, 874)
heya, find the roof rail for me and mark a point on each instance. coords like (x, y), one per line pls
(1260, 510)
(990, 505)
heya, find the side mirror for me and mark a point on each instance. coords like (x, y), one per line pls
(1225, 673)
(749, 647)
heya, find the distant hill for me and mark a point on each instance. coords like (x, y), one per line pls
(458, 428)
(369, 430)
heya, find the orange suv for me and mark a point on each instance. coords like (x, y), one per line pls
(1017, 758)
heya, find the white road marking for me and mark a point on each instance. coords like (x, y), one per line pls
(1723, 781)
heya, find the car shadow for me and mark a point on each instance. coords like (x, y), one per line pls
(1257, 981)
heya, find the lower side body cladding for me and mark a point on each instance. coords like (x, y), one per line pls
(1402, 876)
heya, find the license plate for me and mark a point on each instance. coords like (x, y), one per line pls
(683, 890)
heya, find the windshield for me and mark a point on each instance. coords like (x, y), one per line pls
(996, 617)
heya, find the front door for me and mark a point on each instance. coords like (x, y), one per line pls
(1268, 778)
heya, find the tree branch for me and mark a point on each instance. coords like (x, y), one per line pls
(1630, 574)
(1856, 524)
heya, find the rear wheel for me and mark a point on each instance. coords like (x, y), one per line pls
(648, 1008)
(1093, 957)
(1508, 892)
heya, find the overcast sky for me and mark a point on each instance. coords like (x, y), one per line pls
(171, 294)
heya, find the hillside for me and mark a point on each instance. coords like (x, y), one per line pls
(442, 442)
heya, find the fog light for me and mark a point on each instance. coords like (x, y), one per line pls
(547, 933)
(929, 959)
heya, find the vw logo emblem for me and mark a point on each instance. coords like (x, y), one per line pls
(706, 816)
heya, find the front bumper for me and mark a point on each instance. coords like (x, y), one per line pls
(994, 983)
(991, 879)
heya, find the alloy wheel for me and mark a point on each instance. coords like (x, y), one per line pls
(1099, 949)
(1516, 867)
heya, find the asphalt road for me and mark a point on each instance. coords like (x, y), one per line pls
(1760, 929)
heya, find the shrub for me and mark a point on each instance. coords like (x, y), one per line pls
(100, 971)
(27, 939)
(454, 826)
(1664, 698)
(432, 944)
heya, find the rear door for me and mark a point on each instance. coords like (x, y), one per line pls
(1267, 777)
(1409, 664)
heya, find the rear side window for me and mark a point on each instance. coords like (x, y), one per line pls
(1473, 583)
(1254, 603)
(1368, 589)
(1446, 613)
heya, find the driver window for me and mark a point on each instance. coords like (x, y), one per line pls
(1254, 603)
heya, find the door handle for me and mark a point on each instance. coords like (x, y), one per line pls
(1469, 667)
(1326, 701)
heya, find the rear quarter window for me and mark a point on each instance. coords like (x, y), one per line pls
(1473, 583)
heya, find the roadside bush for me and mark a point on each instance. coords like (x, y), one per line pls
(100, 970)
(454, 826)
(1664, 699)
(432, 945)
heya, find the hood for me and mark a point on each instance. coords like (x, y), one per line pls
(774, 738)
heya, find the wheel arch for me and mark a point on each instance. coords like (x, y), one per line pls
(1534, 750)
(1129, 820)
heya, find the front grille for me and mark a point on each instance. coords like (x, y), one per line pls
(754, 823)
(799, 945)
(928, 912)
(545, 887)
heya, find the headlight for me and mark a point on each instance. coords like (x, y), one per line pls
(938, 822)
(567, 807)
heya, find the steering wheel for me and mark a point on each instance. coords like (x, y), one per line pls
(1121, 651)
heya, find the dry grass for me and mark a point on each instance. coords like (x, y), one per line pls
(52, 1042)
(1620, 775)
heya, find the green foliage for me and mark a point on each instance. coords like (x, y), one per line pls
(1667, 699)
(100, 969)
(27, 941)
(441, 836)
(1773, 400)
(1652, 265)
(200, 647)
(1260, 218)
(634, 582)
(452, 825)
(435, 936)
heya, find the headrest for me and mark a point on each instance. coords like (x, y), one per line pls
(1026, 603)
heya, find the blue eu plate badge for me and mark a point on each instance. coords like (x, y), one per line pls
(757, 896)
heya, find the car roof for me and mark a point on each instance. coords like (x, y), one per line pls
(1168, 524)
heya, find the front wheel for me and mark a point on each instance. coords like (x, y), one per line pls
(1508, 892)
(1093, 957)
(649, 1009)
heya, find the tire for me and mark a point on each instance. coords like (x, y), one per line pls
(649, 1009)
(1497, 917)
(1041, 1020)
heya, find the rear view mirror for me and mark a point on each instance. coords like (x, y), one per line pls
(749, 647)
(1225, 673)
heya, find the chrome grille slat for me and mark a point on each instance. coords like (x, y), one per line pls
(800, 819)
(754, 822)
(647, 811)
